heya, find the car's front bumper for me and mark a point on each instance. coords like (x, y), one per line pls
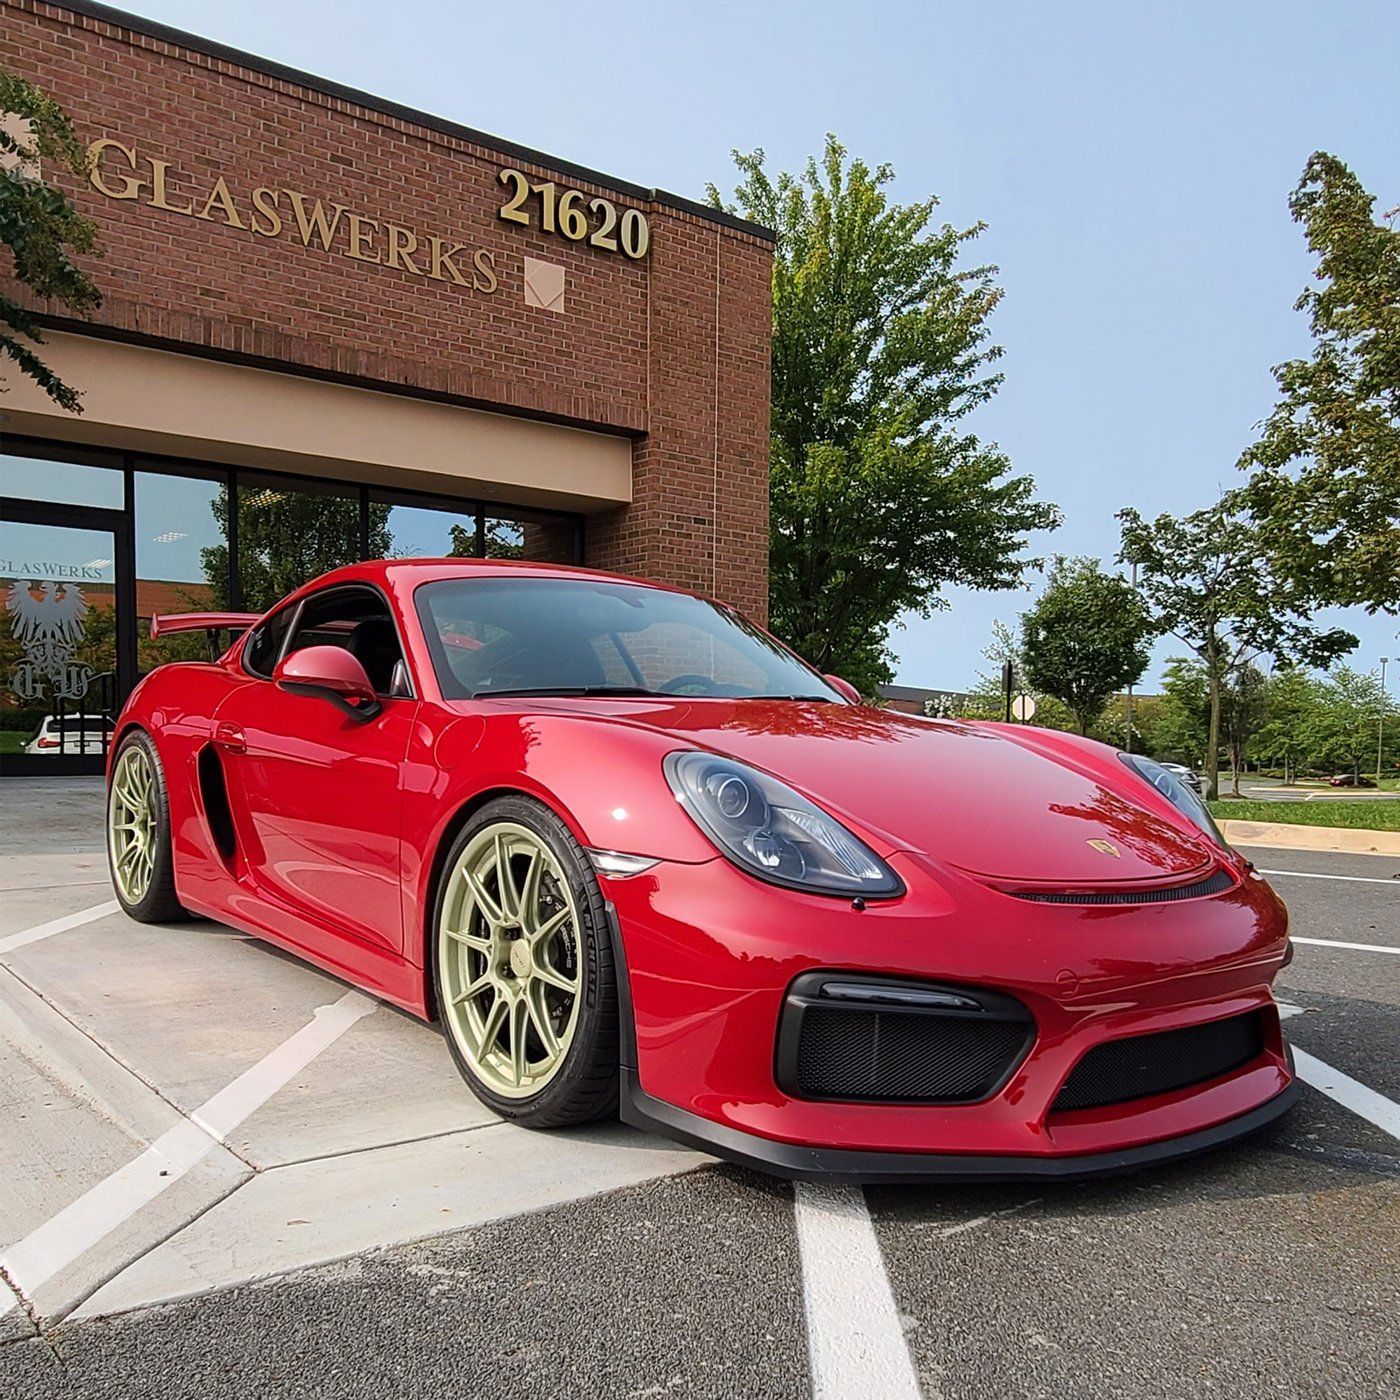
(708, 959)
(799, 1162)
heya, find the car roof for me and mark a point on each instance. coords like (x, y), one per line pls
(409, 573)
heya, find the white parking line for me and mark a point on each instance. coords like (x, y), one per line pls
(66, 1236)
(1348, 1092)
(33, 935)
(854, 1339)
(1337, 943)
(1355, 879)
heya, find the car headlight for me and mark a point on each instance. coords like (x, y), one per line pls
(773, 832)
(1186, 801)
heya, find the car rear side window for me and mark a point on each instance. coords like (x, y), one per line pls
(357, 619)
(264, 647)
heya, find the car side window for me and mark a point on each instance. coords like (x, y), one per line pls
(264, 647)
(357, 619)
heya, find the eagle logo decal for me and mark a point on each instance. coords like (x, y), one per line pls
(49, 626)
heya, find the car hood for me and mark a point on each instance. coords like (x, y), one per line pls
(973, 797)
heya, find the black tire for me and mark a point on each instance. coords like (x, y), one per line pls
(585, 1087)
(159, 904)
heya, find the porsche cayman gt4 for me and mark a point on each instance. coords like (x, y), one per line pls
(632, 854)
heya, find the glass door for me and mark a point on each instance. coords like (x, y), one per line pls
(64, 653)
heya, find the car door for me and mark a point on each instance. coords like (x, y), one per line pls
(316, 794)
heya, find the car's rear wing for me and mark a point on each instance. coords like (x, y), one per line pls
(167, 624)
(211, 624)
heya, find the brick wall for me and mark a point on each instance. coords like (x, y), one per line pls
(672, 350)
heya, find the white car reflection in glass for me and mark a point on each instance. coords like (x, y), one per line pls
(71, 734)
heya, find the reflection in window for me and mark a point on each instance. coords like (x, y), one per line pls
(290, 532)
(505, 539)
(63, 483)
(427, 532)
(58, 640)
(532, 535)
(181, 559)
(419, 530)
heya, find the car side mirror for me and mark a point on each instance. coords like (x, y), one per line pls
(329, 673)
(843, 687)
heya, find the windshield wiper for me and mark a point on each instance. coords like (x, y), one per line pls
(572, 690)
(820, 699)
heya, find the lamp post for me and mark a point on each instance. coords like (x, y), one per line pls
(1128, 745)
(1380, 726)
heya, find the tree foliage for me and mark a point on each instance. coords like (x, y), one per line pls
(1344, 730)
(1184, 730)
(40, 227)
(1243, 704)
(880, 495)
(1207, 582)
(1088, 635)
(987, 699)
(286, 538)
(1293, 698)
(1326, 468)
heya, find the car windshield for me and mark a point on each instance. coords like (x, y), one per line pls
(541, 636)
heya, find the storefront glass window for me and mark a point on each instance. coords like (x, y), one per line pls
(289, 531)
(182, 562)
(58, 647)
(532, 535)
(425, 532)
(61, 483)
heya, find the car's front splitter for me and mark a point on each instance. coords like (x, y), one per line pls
(805, 1163)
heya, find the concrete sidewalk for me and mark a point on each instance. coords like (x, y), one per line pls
(1300, 837)
(187, 1108)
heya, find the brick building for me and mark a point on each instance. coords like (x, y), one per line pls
(332, 326)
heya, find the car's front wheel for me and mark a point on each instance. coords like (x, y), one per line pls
(138, 833)
(525, 980)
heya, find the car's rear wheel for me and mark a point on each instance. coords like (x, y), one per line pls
(524, 966)
(138, 833)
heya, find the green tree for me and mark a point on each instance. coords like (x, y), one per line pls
(1088, 635)
(1326, 468)
(40, 227)
(1344, 731)
(1243, 700)
(1148, 717)
(1184, 730)
(987, 699)
(1206, 580)
(880, 494)
(1291, 704)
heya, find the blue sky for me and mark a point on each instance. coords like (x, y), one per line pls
(1133, 163)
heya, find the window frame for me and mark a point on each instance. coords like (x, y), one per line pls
(298, 606)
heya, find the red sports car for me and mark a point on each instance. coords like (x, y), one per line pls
(631, 852)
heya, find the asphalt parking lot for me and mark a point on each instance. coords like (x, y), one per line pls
(226, 1174)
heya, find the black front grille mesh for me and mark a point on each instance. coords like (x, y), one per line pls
(1140, 1065)
(892, 1055)
(1213, 884)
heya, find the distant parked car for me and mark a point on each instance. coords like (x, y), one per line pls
(71, 734)
(1351, 780)
(1189, 776)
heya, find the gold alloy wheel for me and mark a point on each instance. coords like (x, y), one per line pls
(131, 823)
(509, 959)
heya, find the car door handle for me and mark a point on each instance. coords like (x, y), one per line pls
(230, 737)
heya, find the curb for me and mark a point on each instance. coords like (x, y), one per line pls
(1297, 837)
